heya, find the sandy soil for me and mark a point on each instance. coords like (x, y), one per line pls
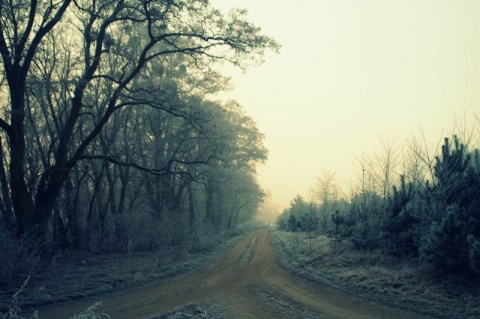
(249, 283)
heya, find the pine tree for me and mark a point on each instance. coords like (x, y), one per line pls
(445, 247)
(453, 172)
(399, 229)
(293, 223)
(338, 221)
(457, 196)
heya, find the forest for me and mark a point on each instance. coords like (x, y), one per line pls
(115, 146)
(111, 137)
(412, 202)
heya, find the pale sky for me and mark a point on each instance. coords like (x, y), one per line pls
(351, 71)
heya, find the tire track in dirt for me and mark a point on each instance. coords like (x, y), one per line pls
(249, 283)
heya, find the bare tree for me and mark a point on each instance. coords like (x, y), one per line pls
(112, 44)
(327, 194)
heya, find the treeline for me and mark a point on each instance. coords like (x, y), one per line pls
(109, 137)
(411, 206)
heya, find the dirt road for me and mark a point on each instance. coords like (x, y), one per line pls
(249, 283)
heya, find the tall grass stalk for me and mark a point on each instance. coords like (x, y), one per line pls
(14, 310)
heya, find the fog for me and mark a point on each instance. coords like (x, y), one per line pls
(352, 73)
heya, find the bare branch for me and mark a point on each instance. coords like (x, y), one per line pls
(5, 126)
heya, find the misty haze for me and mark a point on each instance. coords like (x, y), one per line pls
(165, 159)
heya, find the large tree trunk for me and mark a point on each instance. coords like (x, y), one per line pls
(212, 215)
(6, 205)
(191, 207)
(21, 198)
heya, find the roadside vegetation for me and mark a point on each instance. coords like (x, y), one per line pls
(377, 277)
(14, 310)
(407, 233)
(81, 275)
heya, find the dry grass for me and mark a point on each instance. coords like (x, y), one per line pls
(75, 276)
(14, 311)
(379, 277)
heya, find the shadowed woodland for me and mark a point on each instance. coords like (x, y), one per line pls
(110, 138)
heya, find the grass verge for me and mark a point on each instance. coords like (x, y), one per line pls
(377, 277)
(79, 275)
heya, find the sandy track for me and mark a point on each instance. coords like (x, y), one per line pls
(247, 281)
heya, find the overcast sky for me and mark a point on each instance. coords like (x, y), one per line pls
(351, 71)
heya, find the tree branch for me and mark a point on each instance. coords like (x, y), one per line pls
(5, 126)
(41, 33)
(26, 34)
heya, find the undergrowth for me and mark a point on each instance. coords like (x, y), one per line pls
(14, 309)
(91, 313)
(18, 255)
